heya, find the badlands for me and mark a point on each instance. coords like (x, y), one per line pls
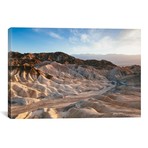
(57, 85)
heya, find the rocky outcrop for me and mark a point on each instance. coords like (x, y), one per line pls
(130, 75)
(103, 64)
(18, 59)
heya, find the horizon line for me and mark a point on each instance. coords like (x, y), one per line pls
(78, 53)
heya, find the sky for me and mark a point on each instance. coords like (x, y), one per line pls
(75, 40)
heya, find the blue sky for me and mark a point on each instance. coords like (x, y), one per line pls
(75, 41)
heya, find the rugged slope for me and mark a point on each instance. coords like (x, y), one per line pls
(56, 85)
(54, 81)
(18, 59)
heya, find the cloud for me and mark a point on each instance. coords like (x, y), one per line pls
(55, 35)
(46, 31)
(84, 38)
(36, 29)
(99, 41)
(127, 42)
(79, 36)
(75, 32)
(73, 40)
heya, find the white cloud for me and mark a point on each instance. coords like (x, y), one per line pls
(84, 38)
(73, 40)
(128, 42)
(105, 43)
(36, 29)
(45, 31)
(75, 32)
(75, 36)
(55, 35)
(78, 37)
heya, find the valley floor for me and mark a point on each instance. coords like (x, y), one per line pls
(112, 101)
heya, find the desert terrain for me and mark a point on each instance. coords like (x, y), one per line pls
(57, 85)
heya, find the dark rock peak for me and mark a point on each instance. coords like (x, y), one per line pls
(18, 59)
(103, 64)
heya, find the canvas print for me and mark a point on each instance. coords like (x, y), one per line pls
(74, 73)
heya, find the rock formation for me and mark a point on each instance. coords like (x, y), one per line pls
(57, 85)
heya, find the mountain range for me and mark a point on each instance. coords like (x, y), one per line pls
(18, 59)
(118, 59)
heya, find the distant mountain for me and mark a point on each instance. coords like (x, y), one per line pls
(118, 59)
(31, 59)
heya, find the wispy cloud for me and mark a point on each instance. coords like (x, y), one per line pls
(74, 37)
(73, 40)
(127, 42)
(37, 29)
(55, 35)
(84, 35)
(48, 32)
(78, 36)
(84, 38)
(97, 41)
